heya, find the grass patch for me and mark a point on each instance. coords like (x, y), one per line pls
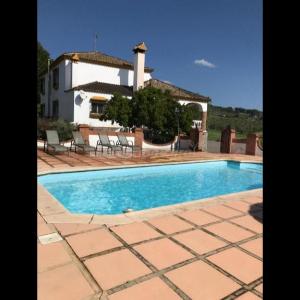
(215, 135)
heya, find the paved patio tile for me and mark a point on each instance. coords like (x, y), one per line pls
(63, 283)
(239, 205)
(198, 217)
(40, 220)
(170, 224)
(260, 288)
(43, 229)
(92, 242)
(51, 255)
(229, 232)
(199, 241)
(59, 278)
(116, 268)
(71, 228)
(249, 222)
(222, 211)
(151, 289)
(253, 199)
(163, 253)
(239, 264)
(254, 246)
(248, 296)
(135, 232)
(201, 282)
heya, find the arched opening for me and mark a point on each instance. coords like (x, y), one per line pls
(197, 114)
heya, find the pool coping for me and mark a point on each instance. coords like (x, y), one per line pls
(54, 212)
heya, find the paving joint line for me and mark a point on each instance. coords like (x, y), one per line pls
(201, 227)
(154, 270)
(229, 220)
(87, 275)
(91, 219)
(203, 257)
(215, 251)
(75, 233)
(235, 294)
(174, 287)
(238, 210)
(104, 252)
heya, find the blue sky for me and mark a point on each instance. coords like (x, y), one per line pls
(212, 47)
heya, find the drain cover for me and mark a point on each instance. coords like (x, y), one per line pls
(127, 210)
(50, 238)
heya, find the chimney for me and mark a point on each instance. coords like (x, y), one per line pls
(139, 66)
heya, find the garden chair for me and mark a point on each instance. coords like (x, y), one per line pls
(78, 142)
(104, 141)
(53, 142)
(123, 142)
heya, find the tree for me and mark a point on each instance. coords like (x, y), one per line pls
(42, 65)
(153, 109)
(118, 110)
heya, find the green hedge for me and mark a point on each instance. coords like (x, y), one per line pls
(63, 128)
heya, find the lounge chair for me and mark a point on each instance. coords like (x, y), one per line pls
(123, 142)
(104, 141)
(78, 142)
(53, 142)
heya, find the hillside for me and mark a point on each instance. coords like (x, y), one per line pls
(243, 120)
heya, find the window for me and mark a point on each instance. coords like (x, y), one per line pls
(42, 86)
(56, 78)
(42, 112)
(55, 109)
(97, 108)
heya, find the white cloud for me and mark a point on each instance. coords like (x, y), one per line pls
(166, 81)
(204, 63)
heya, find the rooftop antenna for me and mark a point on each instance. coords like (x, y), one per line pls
(95, 41)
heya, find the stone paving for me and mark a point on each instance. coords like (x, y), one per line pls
(209, 253)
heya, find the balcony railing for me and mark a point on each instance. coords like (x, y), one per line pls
(196, 123)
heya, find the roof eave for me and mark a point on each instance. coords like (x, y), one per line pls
(65, 56)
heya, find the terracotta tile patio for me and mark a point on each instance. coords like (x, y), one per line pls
(91, 242)
(191, 254)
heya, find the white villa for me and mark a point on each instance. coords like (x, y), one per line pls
(79, 84)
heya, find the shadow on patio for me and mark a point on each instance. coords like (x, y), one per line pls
(256, 211)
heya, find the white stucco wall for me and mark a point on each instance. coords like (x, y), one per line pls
(84, 73)
(139, 75)
(68, 74)
(45, 96)
(202, 104)
(159, 147)
(66, 106)
(58, 94)
(82, 111)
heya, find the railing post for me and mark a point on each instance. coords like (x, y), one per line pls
(227, 136)
(252, 139)
(138, 137)
(84, 129)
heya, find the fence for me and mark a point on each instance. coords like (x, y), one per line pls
(230, 144)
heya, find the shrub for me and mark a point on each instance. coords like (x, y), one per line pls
(63, 128)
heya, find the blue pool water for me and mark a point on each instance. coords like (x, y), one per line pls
(112, 191)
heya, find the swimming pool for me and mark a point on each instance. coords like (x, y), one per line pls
(112, 191)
